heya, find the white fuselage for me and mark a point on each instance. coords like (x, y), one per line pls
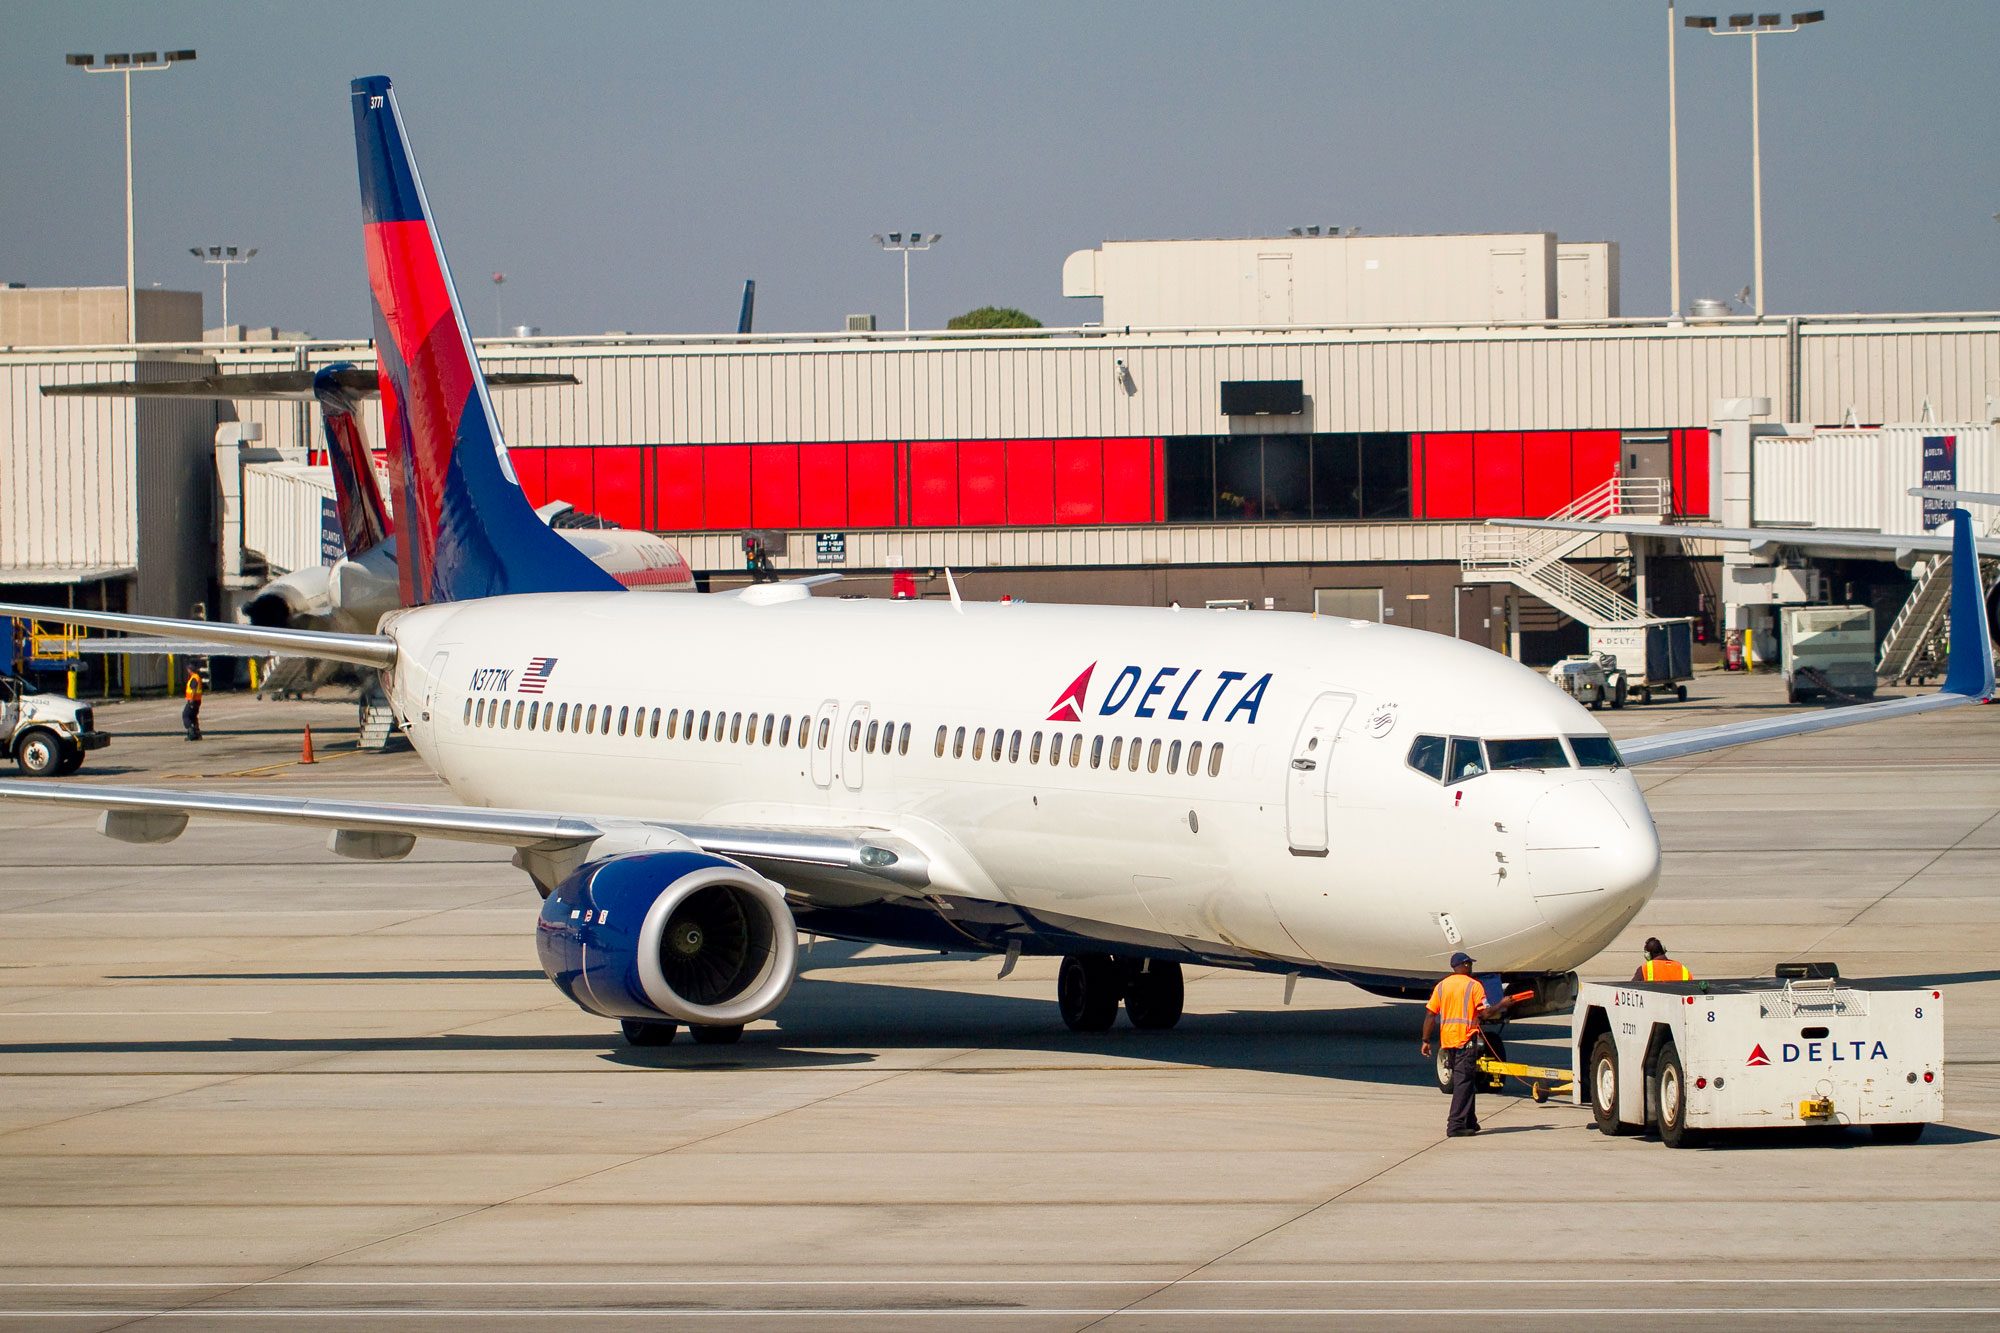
(1311, 841)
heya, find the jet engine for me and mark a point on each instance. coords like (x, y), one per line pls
(680, 935)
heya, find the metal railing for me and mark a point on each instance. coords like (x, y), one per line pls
(1531, 558)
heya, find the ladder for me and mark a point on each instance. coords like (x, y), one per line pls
(378, 719)
(1532, 558)
(1922, 619)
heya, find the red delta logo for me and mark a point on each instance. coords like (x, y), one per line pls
(1171, 693)
(1069, 708)
(1757, 1056)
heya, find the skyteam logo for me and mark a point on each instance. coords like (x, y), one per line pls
(1178, 694)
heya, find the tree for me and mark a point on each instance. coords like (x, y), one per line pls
(994, 317)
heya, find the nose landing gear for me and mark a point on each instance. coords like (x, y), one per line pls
(1090, 986)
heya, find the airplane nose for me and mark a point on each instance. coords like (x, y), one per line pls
(1593, 858)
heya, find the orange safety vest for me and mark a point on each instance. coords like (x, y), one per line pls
(193, 687)
(1664, 969)
(1457, 1001)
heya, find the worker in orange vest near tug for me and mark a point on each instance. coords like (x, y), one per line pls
(1659, 967)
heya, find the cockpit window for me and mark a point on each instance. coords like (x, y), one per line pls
(1427, 757)
(1466, 761)
(1595, 752)
(1541, 752)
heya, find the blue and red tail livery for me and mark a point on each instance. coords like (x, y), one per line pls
(364, 521)
(464, 528)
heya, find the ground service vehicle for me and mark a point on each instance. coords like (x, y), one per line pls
(46, 733)
(1828, 650)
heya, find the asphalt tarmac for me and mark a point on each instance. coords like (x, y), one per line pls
(245, 1082)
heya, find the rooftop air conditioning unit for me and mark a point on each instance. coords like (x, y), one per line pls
(861, 323)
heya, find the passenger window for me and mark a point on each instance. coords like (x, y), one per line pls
(605, 729)
(1153, 757)
(874, 734)
(735, 728)
(562, 717)
(673, 723)
(940, 742)
(1540, 752)
(1194, 758)
(1076, 751)
(1215, 760)
(1132, 757)
(1595, 752)
(704, 724)
(750, 731)
(506, 712)
(979, 743)
(1117, 750)
(534, 714)
(1427, 757)
(1174, 757)
(825, 731)
(1035, 748)
(590, 723)
(1465, 759)
(468, 710)
(1096, 751)
(903, 740)
(854, 736)
(958, 744)
(770, 726)
(1014, 748)
(621, 720)
(654, 733)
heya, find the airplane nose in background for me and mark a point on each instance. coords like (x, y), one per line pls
(1593, 858)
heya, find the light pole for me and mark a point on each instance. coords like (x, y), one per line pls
(1754, 26)
(499, 279)
(129, 64)
(1673, 171)
(223, 256)
(896, 242)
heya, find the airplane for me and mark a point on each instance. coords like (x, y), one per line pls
(690, 782)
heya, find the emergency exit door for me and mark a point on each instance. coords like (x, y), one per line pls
(1306, 782)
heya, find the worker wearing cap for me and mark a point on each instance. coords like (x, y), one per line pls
(1452, 1015)
(1659, 967)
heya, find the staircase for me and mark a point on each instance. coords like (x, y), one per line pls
(1921, 621)
(1532, 558)
(378, 719)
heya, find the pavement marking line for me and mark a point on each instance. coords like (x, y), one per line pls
(1011, 1312)
(1902, 884)
(135, 1013)
(559, 1283)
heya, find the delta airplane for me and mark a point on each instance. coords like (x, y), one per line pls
(690, 782)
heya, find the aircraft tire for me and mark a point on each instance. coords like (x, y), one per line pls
(1088, 989)
(1155, 996)
(638, 1032)
(727, 1034)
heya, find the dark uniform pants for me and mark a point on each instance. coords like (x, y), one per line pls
(1464, 1088)
(191, 719)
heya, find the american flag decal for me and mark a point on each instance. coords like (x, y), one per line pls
(536, 678)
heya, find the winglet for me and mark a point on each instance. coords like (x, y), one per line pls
(1970, 670)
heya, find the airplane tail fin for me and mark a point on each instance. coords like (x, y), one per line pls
(364, 520)
(464, 527)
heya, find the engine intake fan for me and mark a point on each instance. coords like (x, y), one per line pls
(677, 934)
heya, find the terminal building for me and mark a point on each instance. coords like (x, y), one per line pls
(1307, 423)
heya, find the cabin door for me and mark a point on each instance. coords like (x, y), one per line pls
(1306, 781)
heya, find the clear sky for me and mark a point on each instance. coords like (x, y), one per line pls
(627, 165)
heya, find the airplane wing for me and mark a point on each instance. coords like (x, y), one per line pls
(286, 385)
(821, 865)
(1968, 679)
(1903, 547)
(376, 650)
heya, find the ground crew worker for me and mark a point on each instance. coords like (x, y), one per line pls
(191, 711)
(1452, 1015)
(1659, 967)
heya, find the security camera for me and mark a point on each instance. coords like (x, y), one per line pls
(1119, 365)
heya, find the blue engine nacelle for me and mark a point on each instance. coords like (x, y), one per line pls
(677, 934)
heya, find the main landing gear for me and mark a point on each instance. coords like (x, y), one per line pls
(1090, 986)
(641, 1033)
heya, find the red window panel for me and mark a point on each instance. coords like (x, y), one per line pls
(725, 477)
(1128, 481)
(871, 485)
(1031, 483)
(823, 485)
(570, 473)
(617, 485)
(1496, 474)
(1447, 474)
(676, 472)
(1691, 472)
(1545, 477)
(1079, 481)
(531, 466)
(1593, 456)
(982, 483)
(933, 483)
(774, 486)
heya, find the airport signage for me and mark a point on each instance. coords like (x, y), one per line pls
(332, 546)
(1940, 470)
(830, 548)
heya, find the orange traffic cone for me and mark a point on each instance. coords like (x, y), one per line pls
(306, 749)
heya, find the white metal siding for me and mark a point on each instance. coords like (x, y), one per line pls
(281, 512)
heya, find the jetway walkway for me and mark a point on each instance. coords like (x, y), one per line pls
(1532, 558)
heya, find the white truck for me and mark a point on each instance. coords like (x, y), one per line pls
(47, 734)
(1805, 1049)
